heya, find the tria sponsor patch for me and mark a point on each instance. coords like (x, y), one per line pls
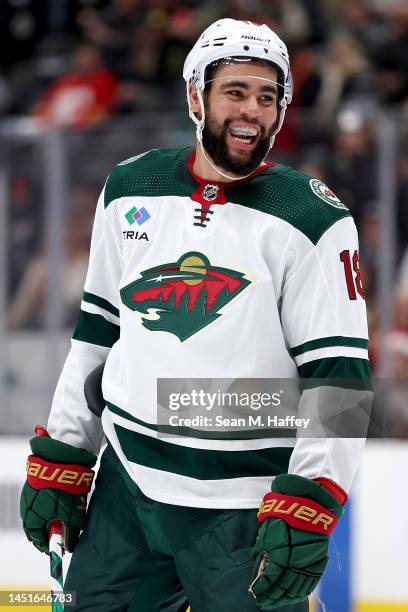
(137, 216)
(131, 235)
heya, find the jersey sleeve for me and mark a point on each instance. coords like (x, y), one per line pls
(324, 320)
(97, 330)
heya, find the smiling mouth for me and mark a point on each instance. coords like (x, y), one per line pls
(244, 135)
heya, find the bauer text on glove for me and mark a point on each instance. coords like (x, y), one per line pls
(291, 551)
(59, 478)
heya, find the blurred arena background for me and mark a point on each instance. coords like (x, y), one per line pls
(85, 84)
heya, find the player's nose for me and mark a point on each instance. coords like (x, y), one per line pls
(250, 108)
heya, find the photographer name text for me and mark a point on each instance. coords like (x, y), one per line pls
(250, 421)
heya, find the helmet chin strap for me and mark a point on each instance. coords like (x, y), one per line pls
(199, 132)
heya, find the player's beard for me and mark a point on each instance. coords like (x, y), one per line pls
(214, 139)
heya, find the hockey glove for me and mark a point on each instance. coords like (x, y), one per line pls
(58, 481)
(291, 550)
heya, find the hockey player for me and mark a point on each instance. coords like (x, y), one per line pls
(206, 263)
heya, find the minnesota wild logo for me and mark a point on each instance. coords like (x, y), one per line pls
(325, 194)
(184, 296)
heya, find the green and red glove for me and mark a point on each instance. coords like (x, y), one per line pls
(59, 479)
(291, 550)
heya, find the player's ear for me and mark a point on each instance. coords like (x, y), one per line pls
(194, 101)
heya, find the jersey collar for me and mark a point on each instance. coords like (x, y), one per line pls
(213, 192)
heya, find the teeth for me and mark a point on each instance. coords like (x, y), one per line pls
(243, 131)
(244, 140)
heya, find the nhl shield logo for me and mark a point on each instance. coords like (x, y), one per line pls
(210, 192)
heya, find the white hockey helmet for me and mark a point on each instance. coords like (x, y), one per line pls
(230, 38)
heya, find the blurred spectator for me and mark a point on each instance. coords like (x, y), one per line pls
(366, 24)
(403, 272)
(27, 308)
(288, 17)
(369, 236)
(19, 30)
(344, 69)
(160, 47)
(180, 32)
(351, 165)
(112, 30)
(341, 50)
(82, 97)
(25, 23)
(392, 56)
(306, 77)
(401, 309)
(402, 219)
(5, 95)
(25, 207)
(312, 168)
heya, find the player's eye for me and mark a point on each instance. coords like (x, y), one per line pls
(267, 99)
(235, 93)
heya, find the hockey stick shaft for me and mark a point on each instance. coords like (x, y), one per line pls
(56, 546)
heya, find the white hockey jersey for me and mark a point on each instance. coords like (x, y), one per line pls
(194, 279)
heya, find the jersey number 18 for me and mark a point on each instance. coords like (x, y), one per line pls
(353, 281)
